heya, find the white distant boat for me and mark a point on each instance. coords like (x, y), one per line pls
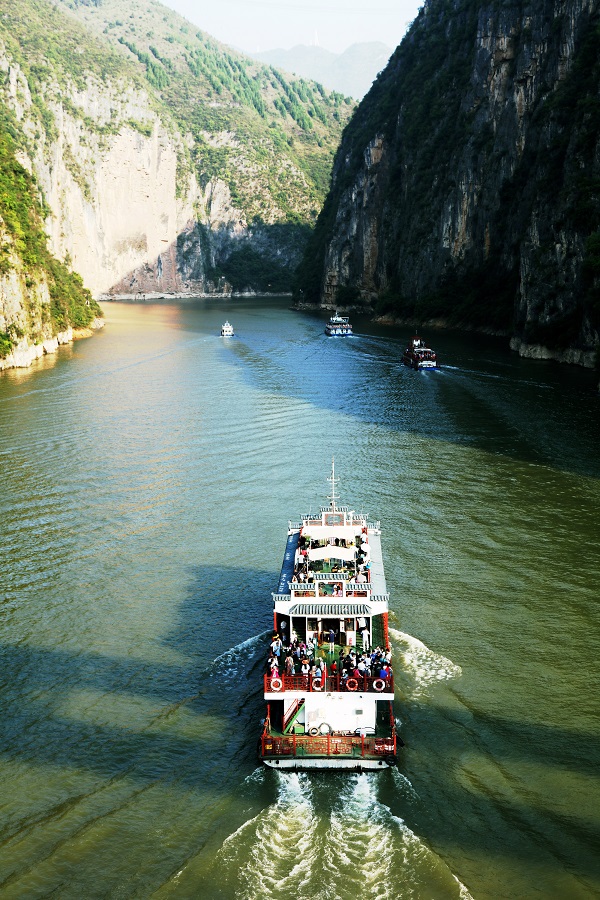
(338, 326)
(227, 330)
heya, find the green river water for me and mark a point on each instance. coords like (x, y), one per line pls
(148, 475)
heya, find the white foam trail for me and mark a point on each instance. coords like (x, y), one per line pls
(377, 853)
(403, 785)
(355, 848)
(279, 857)
(359, 844)
(256, 777)
(421, 664)
(236, 658)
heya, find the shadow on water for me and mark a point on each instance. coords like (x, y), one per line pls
(483, 395)
(191, 709)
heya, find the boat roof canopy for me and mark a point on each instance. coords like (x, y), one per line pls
(331, 552)
(334, 610)
(322, 532)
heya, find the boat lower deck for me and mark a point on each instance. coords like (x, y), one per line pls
(328, 750)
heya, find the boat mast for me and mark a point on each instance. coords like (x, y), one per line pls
(333, 481)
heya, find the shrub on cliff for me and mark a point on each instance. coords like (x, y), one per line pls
(25, 248)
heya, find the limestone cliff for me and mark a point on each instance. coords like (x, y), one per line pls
(41, 300)
(467, 185)
(161, 156)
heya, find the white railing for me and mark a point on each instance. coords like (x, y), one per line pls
(280, 597)
(304, 586)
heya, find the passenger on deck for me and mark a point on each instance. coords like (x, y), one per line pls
(331, 640)
(337, 591)
(366, 638)
(289, 664)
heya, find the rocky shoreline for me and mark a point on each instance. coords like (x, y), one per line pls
(154, 296)
(24, 354)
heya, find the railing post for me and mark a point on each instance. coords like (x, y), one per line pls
(328, 744)
(362, 744)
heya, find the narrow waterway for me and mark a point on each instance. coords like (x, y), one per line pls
(148, 475)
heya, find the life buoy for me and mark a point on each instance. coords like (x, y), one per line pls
(276, 684)
(378, 684)
(317, 684)
(351, 684)
(324, 728)
(314, 730)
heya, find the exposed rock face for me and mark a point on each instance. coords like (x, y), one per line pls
(112, 189)
(466, 187)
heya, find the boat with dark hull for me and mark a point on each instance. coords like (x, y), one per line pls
(329, 683)
(419, 356)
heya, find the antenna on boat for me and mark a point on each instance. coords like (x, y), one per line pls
(333, 481)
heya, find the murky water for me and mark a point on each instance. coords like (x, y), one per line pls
(148, 475)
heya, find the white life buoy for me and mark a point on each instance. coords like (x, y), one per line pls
(313, 731)
(317, 684)
(378, 684)
(276, 684)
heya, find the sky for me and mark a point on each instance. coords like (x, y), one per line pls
(255, 25)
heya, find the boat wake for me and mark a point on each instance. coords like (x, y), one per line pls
(334, 838)
(237, 659)
(419, 667)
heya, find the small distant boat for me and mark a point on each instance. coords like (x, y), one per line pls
(419, 356)
(338, 326)
(226, 330)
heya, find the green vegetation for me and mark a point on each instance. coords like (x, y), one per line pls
(269, 137)
(248, 270)
(209, 89)
(25, 246)
(529, 258)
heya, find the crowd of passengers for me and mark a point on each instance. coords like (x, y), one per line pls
(300, 658)
(302, 571)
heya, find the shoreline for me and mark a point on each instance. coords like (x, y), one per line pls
(153, 296)
(25, 354)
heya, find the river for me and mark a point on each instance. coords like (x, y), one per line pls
(148, 475)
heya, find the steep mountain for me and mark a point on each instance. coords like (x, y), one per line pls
(41, 300)
(467, 185)
(351, 72)
(168, 162)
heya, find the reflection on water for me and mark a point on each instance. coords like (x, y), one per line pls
(148, 477)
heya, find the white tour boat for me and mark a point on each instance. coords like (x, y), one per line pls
(226, 330)
(329, 685)
(338, 326)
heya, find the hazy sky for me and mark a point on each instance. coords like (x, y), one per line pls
(255, 25)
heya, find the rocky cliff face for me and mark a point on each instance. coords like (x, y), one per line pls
(111, 187)
(159, 154)
(467, 186)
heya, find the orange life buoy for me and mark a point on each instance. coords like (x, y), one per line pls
(351, 684)
(378, 684)
(276, 684)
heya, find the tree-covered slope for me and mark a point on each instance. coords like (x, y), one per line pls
(166, 158)
(269, 137)
(39, 295)
(466, 187)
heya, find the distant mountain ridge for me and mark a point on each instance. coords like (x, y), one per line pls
(351, 72)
